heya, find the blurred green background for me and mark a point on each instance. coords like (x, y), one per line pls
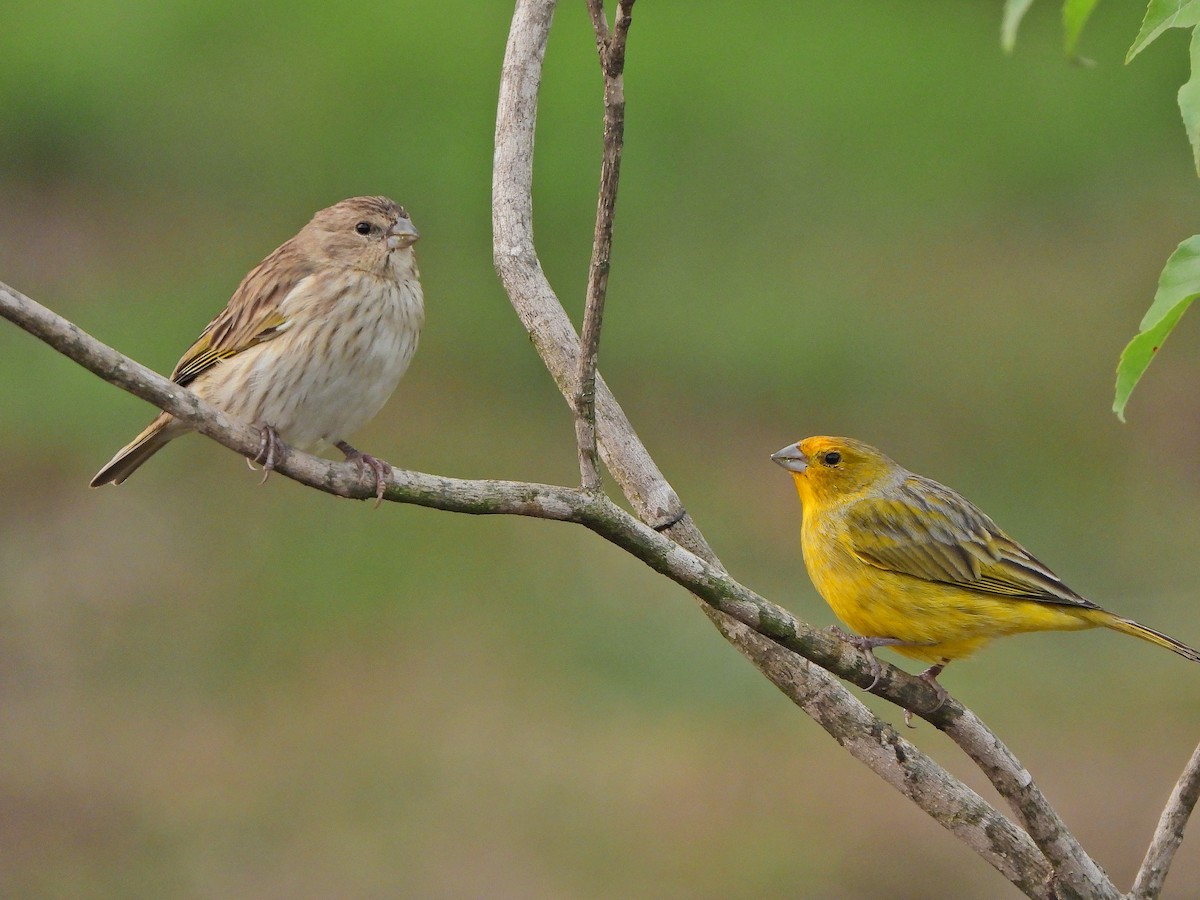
(873, 225)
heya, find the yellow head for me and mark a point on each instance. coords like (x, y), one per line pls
(826, 469)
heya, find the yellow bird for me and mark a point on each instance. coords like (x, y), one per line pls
(909, 563)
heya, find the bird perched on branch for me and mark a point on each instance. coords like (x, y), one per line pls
(908, 563)
(313, 341)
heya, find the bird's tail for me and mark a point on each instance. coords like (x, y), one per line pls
(156, 436)
(1128, 626)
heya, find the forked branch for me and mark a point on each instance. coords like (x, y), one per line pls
(1043, 860)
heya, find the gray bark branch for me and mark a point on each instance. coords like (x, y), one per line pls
(1169, 833)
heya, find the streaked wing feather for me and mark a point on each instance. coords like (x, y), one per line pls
(931, 532)
(251, 316)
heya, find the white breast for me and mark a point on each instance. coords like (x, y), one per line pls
(335, 365)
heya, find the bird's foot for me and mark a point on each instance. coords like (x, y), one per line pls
(929, 676)
(366, 461)
(875, 666)
(867, 645)
(271, 450)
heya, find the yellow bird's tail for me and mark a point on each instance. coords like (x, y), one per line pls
(1128, 626)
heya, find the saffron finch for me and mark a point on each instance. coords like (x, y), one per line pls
(909, 563)
(313, 341)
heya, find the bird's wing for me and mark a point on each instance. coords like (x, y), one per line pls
(251, 316)
(929, 531)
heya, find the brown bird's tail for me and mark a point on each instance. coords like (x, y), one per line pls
(156, 436)
(1128, 626)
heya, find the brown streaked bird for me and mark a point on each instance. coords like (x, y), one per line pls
(313, 341)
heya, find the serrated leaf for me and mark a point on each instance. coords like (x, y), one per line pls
(1161, 15)
(1178, 286)
(1014, 12)
(1075, 16)
(1189, 100)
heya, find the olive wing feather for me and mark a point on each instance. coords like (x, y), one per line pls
(926, 530)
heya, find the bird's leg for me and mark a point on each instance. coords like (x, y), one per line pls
(867, 645)
(366, 460)
(929, 676)
(271, 449)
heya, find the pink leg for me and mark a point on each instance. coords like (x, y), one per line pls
(930, 677)
(271, 449)
(365, 460)
(867, 645)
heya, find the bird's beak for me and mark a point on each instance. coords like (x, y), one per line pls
(402, 234)
(791, 458)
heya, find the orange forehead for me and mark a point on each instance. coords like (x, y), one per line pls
(814, 445)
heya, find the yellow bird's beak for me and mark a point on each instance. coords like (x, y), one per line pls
(791, 458)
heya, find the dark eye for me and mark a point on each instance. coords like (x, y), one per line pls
(363, 227)
(832, 458)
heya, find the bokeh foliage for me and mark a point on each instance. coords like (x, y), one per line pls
(882, 227)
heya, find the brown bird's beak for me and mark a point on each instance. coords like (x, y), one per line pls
(402, 234)
(791, 458)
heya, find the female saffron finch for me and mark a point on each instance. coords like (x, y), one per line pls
(909, 563)
(313, 341)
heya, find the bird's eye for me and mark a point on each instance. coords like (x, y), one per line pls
(832, 458)
(363, 227)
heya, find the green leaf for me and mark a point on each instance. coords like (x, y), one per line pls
(1161, 15)
(1189, 100)
(1075, 16)
(1014, 12)
(1178, 286)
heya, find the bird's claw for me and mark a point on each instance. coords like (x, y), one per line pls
(929, 676)
(867, 645)
(366, 461)
(271, 449)
(874, 666)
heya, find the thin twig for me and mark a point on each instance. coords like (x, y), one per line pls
(1169, 833)
(599, 26)
(611, 49)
